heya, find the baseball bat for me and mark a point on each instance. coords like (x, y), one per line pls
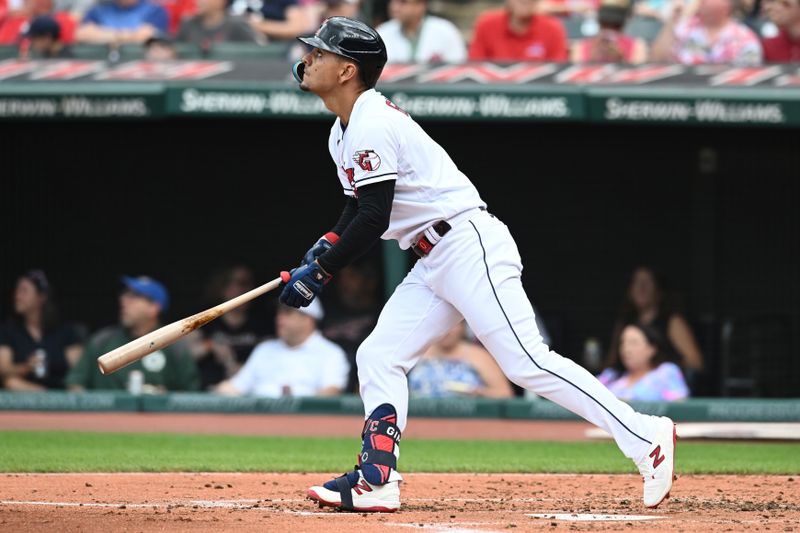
(164, 336)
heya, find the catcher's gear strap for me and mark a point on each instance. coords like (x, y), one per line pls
(345, 492)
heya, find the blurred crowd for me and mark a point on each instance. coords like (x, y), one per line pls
(652, 353)
(736, 32)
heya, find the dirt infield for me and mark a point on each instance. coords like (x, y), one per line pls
(432, 502)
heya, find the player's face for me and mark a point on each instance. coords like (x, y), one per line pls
(635, 351)
(322, 71)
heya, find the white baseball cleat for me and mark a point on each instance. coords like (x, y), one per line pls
(658, 466)
(361, 497)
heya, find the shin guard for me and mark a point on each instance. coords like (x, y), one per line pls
(380, 445)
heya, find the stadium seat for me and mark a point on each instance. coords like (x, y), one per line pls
(8, 51)
(233, 51)
(645, 27)
(89, 51)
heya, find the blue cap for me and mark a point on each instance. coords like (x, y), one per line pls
(149, 288)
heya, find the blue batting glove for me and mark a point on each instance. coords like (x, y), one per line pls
(303, 284)
(320, 247)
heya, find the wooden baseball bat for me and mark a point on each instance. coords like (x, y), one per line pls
(164, 336)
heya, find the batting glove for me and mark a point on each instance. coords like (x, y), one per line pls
(320, 247)
(303, 284)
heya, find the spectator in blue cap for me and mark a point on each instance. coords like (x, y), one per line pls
(44, 34)
(142, 301)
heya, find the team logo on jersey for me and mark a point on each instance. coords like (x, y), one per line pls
(367, 159)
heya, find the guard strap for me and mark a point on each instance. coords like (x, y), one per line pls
(345, 492)
(382, 427)
(377, 457)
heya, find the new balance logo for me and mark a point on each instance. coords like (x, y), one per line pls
(658, 458)
(362, 486)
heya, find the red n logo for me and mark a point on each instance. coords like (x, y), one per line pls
(362, 486)
(658, 458)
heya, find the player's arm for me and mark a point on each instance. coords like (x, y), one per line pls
(371, 219)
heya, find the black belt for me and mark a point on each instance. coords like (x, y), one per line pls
(423, 246)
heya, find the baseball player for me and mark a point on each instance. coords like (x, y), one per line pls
(400, 184)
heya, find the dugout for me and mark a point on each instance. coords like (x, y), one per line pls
(714, 206)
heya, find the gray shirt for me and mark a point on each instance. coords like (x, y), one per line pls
(232, 29)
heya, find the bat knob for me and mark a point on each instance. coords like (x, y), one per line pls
(285, 276)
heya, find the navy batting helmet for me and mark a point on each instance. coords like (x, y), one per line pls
(354, 40)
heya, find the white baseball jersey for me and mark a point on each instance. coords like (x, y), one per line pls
(438, 40)
(381, 142)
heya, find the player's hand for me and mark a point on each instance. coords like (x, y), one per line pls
(320, 247)
(303, 284)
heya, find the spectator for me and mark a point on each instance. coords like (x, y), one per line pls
(709, 35)
(14, 25)
(518, 33)
(177, 12)
(611, 45)
(646, 302)
(283, 20)
(641, 371)
(36, 349)
(122, 21)
(213, 24)
(300, 362)
(414, 36)
(44, 35)
(353, 313)
(160, 47)
(339, 8)
(142, 302)
(456, 366)
(222, 346)
(784, 47)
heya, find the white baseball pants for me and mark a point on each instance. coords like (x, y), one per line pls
(474, 273)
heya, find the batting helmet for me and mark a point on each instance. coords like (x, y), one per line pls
(351, 39)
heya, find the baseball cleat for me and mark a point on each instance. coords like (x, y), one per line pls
(351, 492)
(658, 466)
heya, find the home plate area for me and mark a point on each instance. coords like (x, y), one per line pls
(431, 502)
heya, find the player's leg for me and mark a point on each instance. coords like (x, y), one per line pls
(500, 314)
(412, 319)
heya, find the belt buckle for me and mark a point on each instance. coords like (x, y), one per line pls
(422, 247)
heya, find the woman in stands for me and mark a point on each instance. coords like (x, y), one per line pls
(457, 366)
(642, 371)
(36, 350)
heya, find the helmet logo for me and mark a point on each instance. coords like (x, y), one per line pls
(367, 159)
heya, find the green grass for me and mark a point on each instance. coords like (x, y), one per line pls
(51, 451)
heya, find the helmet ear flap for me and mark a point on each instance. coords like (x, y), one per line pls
(298, 69)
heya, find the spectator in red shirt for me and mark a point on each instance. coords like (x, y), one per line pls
(15, 24)
(518, 33)
(784, 47)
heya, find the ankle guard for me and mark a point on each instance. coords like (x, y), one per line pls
(380, 445)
